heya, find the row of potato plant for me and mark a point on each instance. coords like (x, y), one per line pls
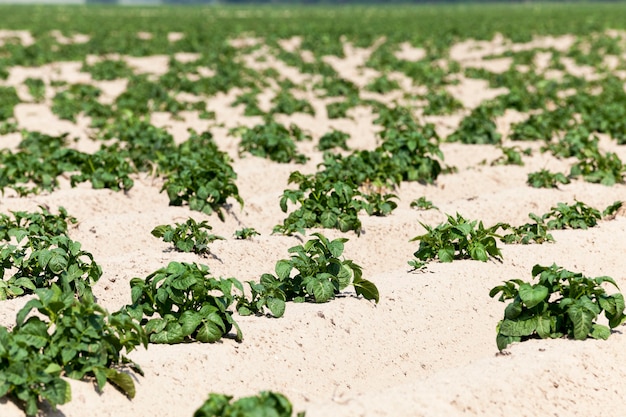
(177, 303)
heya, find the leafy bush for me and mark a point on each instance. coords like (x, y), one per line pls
(423, 204)
(575, 216)
(108, 69)
(333, 139)
(43, 255)
(272, 141)
(199, 173)
(184, 299)
(458, 238)
(190, 236)
(561, 303)
(320, 275)
(267, 403)
(68, 337)
(8, 100)
(546, 179)
(323, 203)
(478, 127)
(536, 232)
(36, 88)
(246, 233)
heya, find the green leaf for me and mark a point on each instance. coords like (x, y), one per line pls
(446, 254)
(58, 391)
(336, 247)
(276, 306)
(532, 295)
(209, 332)
(367, 289)
(321, 288)
(513, 310)
(283, 269)
(518, 328)
(599, 331)
(582, 320)
(189, 320)
(123, 381)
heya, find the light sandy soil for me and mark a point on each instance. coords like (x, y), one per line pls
(427, 349)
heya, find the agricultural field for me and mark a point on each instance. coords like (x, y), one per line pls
(352, 211)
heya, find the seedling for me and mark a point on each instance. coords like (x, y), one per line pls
(267, 403)
(190, 236)
(562, 303)
(458, 238)
(246, 233)
(546, 179)
(319, 276)
(189, 304)
(271, 140)
(423, 204)
(69, 337)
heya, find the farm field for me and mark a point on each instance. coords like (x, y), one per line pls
(369, 177)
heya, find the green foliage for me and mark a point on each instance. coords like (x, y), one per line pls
(108, 69)
(105, 169)
(37, 163)
(607, 169)
(339, 109)
(561, 303)
(37, 253)
(546, 179)
(511, 156)
(251, 102)
(199, 173)
(536, 232)
(478, 127)
(575, 216)
(271, 140)
(457, 238)
(8, 100)
(333, 139)
(379, 204)
(36, 88)
(267, 403)
(441, 102)
(320, 274)
(323, 203)
(186, 303)
(286, 103)
(423, 204)
(137, 140)
(382, 85)
(68, 337)
(190, 236)
(246, 233)
(79, 98)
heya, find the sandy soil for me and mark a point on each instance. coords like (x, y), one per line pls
(427, 349)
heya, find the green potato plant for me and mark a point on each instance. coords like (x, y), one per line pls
(246, 233)
(457, 238)
(190, 236)
(266, 403)
(562, 303)
(320, 274)
(187, 304)
(69, 337)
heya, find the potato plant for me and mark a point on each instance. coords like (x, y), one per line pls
(67, 338)
(562, 303)
(266, 403)
(320, 274)
(182, 298)
(189, 236)
(457, 238)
